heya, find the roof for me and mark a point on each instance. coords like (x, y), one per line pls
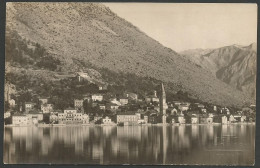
(122, 97)
(70, 108)
(78, 100)
(34, 112)
(127, 113)
(97, 94)
(19, 114)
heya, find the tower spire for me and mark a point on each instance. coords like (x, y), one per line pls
(163, 104)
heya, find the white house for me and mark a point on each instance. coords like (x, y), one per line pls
(181, 119)
(85, 119)
(7, 114)
(53, 118)
(107, 120)
(12, 102)
(194, 120)
(112, 106)
(78, 103)
(97, 97)
(19, 119)
(123, 101)
(232, 119)
(224, 120)
(28, 106)
(129, 118)
(102, 107)
(34, 117)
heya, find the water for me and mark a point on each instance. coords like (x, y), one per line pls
(187, 144)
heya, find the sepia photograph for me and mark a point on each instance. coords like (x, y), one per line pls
(130, 83)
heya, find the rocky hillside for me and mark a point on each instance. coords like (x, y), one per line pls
(77, 35)
(235, 65)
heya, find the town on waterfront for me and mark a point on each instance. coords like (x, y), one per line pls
(122, 110)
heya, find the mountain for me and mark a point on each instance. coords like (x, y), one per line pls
(235, 65)
(79, 36)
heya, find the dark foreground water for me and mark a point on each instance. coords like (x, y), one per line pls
(190, 144)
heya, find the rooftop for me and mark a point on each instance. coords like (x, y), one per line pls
(127, 113)
(19, 114)
(70, 108)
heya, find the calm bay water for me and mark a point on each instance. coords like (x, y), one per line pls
(186, 144)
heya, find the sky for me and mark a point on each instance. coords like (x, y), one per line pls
(189, 26)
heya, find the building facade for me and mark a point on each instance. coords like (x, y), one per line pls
(128, 119)
(97, 97)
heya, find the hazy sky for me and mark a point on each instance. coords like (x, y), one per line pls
(189, 26)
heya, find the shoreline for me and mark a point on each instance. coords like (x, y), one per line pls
(104, 125)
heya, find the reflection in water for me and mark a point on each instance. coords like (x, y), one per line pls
(185, 144)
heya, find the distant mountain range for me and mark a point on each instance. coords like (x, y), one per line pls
(81, 34)
(234, 65)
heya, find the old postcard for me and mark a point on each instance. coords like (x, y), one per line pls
(130, 83)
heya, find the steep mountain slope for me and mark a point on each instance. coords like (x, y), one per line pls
(80, 34)
(235, 65)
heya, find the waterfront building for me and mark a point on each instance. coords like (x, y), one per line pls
(224, 120)
(225, 110)
(34, 117)
(239, 118)
(194, 119)
(232, 119)
(146, 119)
(70, 116)
(30, 118)
(54, 118)
(181, 119)
(128, 118)
(85, 119)
(19, 119)
(206, 120)
(107, 120)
